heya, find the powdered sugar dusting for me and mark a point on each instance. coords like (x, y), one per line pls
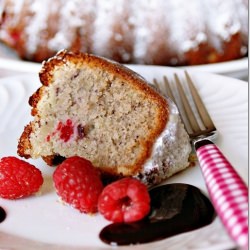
(242, 13)
(222, 22)
(143, 24)
(17, 7)
(38, 23)
(107, 13)
(186, 33)
(71, 20)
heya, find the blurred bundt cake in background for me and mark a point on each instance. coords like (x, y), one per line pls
(160, 32)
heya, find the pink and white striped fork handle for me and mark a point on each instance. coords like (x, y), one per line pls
(228, 192)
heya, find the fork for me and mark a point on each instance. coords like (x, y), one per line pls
(228, 192)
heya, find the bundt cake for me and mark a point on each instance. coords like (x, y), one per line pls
(98, 109)
(160, 32)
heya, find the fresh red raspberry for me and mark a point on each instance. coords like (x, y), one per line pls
(125, 200)
(18, 178)
(78, 183)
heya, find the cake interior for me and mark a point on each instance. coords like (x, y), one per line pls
(89, 112)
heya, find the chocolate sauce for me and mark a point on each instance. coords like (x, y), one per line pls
(175, 209)
(2, 214)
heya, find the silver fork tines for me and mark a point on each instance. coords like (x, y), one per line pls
(213, 164)
(188, 116)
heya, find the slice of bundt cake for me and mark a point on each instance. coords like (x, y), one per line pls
(98, 109)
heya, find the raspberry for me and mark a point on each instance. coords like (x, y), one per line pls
(78, 183)
(65, 130)
(18, 178)
(125, 200)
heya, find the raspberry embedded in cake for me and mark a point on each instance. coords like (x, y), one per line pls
(66, 131)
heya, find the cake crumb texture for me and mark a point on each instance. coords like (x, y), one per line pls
(94, 108)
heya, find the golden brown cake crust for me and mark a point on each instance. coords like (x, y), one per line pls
(64, 57)
(24, 142)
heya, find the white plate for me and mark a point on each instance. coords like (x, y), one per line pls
(41, 222)
(235, 68)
